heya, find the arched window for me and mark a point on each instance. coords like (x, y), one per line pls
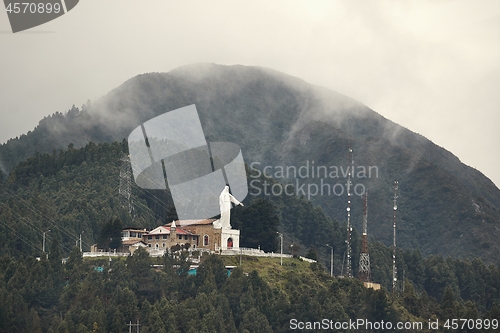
(205, 240)
(229, 243)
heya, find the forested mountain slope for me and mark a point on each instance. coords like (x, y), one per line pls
(445, 206)
(260, 296)
(77, 190)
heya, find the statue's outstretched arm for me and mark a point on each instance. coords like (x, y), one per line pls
(234, 200)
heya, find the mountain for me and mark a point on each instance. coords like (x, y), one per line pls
(279, 121)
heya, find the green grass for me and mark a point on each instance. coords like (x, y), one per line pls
(270, 269)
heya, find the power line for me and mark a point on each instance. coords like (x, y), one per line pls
(36, 211)
(22, 238)
(30, 224)
(123, 191)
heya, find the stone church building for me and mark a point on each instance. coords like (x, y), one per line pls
(199, 234)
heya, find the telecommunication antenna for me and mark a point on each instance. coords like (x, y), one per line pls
(394, 268)
(349, 227)
(365, 274)
(125, 186)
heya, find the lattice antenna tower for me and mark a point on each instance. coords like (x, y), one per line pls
(394, 268)
(365, 273)
(125, 189)
(349, 226)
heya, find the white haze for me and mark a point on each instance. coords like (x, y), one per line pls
(431, 66)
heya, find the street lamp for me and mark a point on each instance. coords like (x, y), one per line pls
(81, 240)
(43, 243)
(281, 242)
(331, 260)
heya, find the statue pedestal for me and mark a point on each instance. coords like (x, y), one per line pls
(230, 239)
(225, 238)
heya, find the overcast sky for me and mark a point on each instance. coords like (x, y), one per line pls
(431, 66)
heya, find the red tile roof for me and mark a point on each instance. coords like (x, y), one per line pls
(180, 231)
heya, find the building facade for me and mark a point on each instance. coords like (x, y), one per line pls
(199, 234)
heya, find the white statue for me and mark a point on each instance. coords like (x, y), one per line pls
(225, 200)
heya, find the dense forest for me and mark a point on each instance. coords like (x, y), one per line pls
(84, 296)
(75, 192)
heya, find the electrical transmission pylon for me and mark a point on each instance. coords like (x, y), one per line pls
(394, 268)
(349, 226)
(125, 189)
(365, 273)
